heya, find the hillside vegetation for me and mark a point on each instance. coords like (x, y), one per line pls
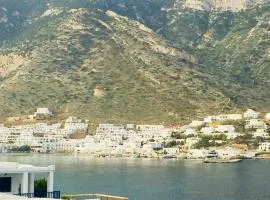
(132, 61)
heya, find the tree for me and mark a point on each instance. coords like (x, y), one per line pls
(203, 143)
(151, 140)
(244, 139)
(24, 148)
(171, 144)
(40, 187)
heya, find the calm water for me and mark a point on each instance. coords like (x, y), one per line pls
(156, 179)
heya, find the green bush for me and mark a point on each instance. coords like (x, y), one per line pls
(40, 187)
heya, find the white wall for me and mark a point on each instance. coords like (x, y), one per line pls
(15, 182)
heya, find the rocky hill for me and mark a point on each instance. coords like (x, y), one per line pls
(132, 61)
(221, 5)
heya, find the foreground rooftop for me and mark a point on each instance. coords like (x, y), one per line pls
(4, 196)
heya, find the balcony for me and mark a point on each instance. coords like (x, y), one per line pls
(54, 194)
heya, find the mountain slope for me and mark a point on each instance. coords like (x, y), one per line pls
(155, 61)
(101, 65)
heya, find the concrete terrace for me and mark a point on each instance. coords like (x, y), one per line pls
(4, 196)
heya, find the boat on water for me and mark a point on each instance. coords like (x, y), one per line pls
(213, 157)
(169, 157)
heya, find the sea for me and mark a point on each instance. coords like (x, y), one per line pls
(151, 179)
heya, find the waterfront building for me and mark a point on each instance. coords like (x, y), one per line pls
(264, 146)
(228, 152)
(171, 151)
(68, 145)
(197, 153)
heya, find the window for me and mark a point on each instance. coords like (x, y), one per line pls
(5, 184)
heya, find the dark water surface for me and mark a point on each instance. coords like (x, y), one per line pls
(142, 179)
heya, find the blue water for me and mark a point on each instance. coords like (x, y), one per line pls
(156, 179)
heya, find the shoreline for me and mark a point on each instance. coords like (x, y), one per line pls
(122, 157)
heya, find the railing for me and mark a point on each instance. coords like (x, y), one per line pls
(28, 195)
(54, 194)
(92, 196)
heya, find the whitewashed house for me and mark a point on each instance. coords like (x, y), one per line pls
(234, 117)
(45, 112)
(130, 126)
(267, 116)
(265, 146)
(232, 135)
(190, 131)
(210, 119)
(72, 119)
(228, 152)
(48, 147)
(225, 129)
(255, 123)
(25, 139)
(196, 123)
(171, 151)
(260, 133)
(207, 130)
(251, 114)
(197, 153)
(192, 141)
(19, 178)
(147, 149)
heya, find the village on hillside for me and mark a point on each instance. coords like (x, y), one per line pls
(230, 135)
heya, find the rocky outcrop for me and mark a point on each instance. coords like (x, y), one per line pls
(221, 5)
(9, 63)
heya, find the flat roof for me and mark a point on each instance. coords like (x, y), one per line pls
(14, 167)
(4, 196)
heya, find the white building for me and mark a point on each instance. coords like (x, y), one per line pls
(260, 133)
(265, 146)
(192, 141)
(130, 126)
(207, 130)
(230, 117)
(210, 119)
(197, 153)
(196, 123)
(19, 178)
(190, 131)
(72, 119)
(255, 123)
(171, 151)
(43, 112)
(267, 116)
(225, 129)
(232, 135)
(228, 152)
(251, 114)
